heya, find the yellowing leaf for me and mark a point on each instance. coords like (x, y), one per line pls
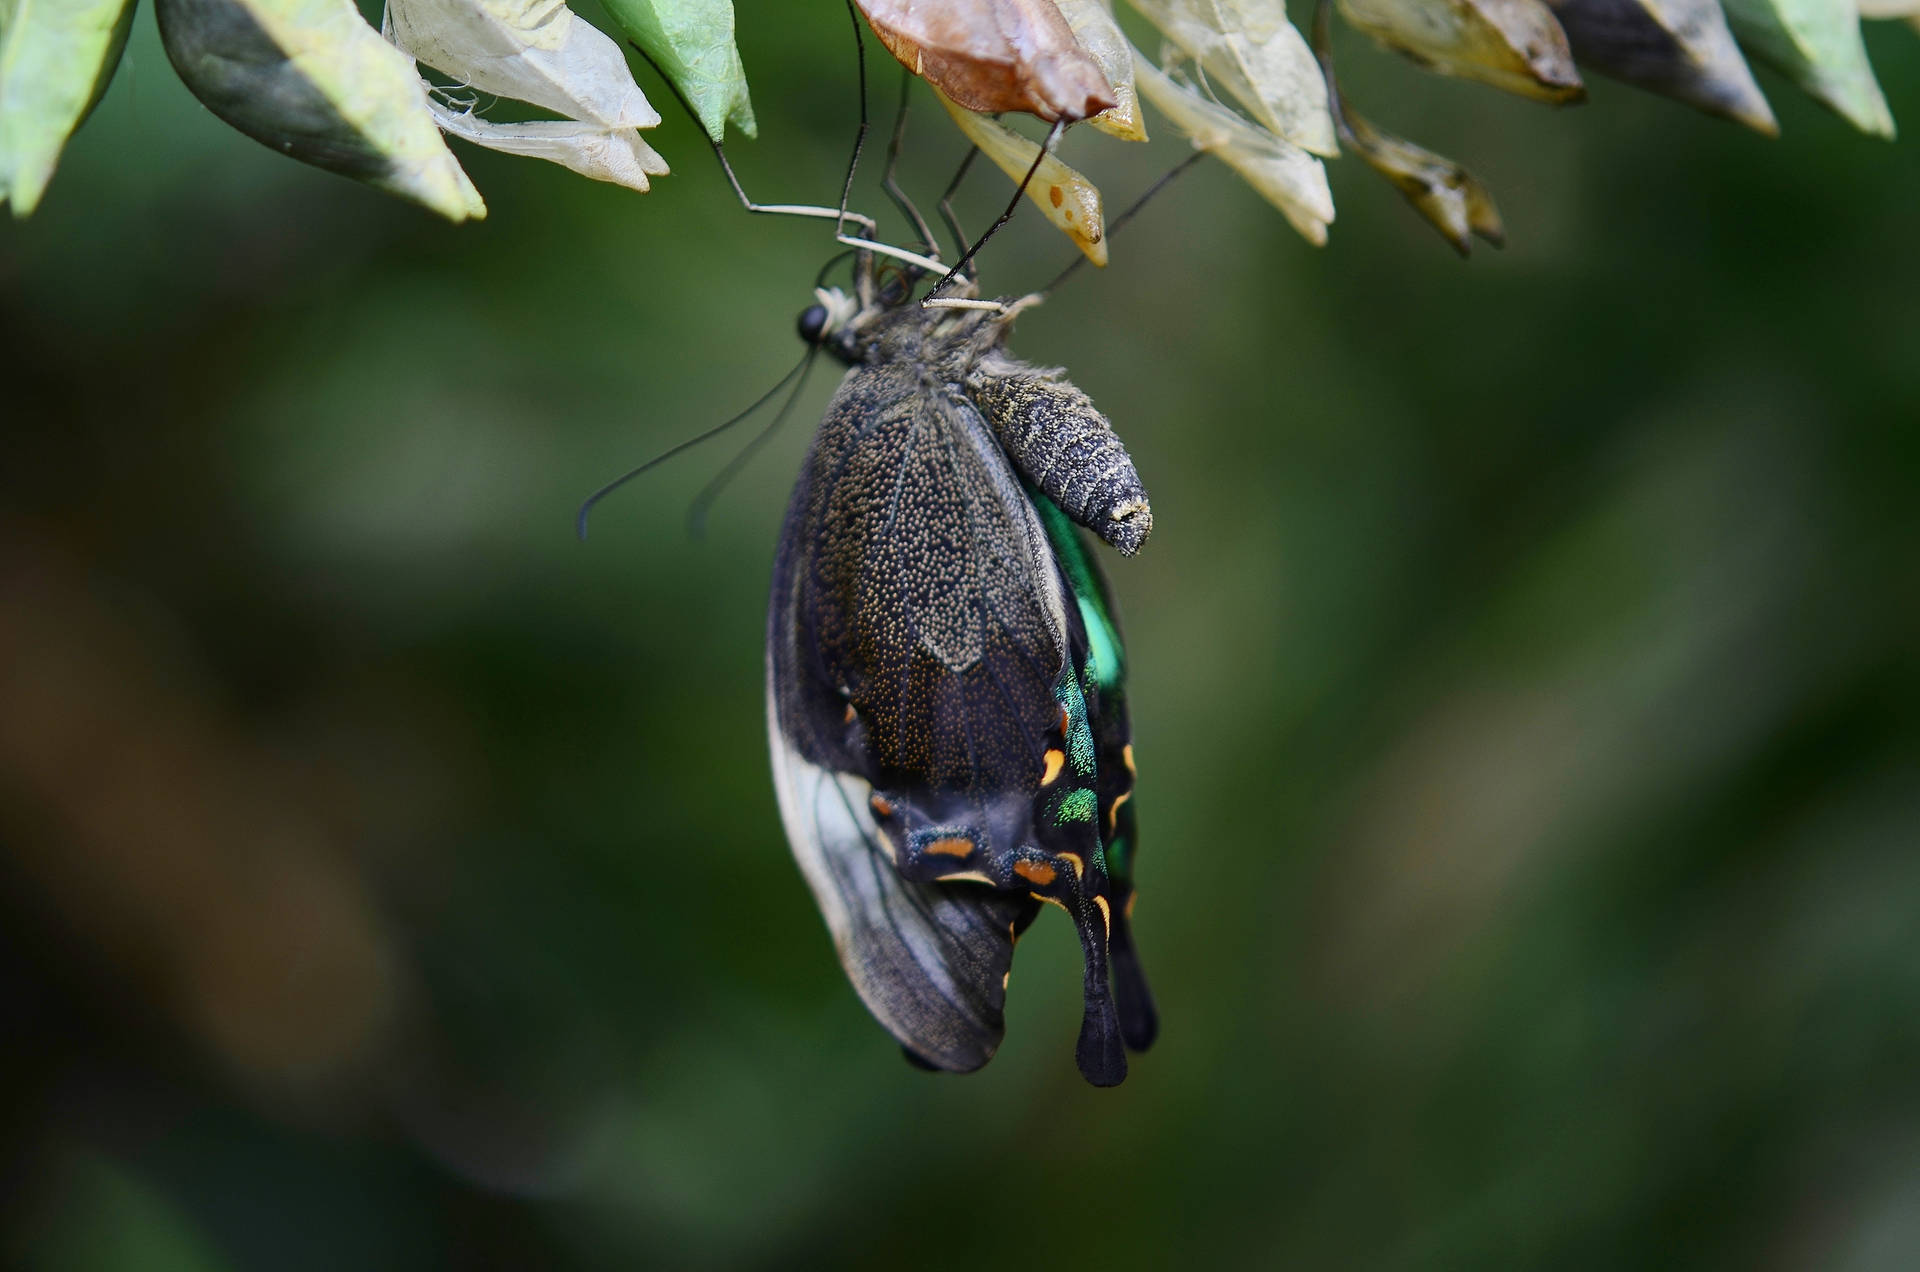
(1816, 44)
(1067, 199)
(1284, 174)
(311, 79)
(1248, 48)
(692, 40)
(56, 57)
(1681, 48)
(1093, 25)
(1510, 44)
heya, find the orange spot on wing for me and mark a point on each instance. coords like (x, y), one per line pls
(1126, 757)
(1113, 813)
(1038, 873)
(1054, 758)
(850, 714)
(1051, 901)
(1056, 195)
(1106, 914)
(1131, 898)
(880, 807)
(1073, 859)
(953, 846)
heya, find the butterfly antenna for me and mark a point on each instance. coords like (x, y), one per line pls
(580, 520)
(892, 186)
(947, 213)
(703, 502)
(966, 258)
(1119, 222)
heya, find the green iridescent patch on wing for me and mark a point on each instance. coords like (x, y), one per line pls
(1103, 637)
(1079, 732)
(1077, 805)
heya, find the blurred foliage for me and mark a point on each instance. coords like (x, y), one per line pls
(1526, 697)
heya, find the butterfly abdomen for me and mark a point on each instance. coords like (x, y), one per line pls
(1061, 442)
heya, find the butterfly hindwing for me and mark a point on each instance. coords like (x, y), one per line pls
(1105, 679)
(928, 960)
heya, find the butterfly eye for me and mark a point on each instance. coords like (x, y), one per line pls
(813, 323)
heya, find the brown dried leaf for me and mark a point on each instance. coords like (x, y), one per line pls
(994, 55)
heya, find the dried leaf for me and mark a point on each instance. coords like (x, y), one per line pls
(535, 51)
(1510, 44)
(1816, 44)
(311, 79)
(1452, 199)
(1093, 25)
(1284, 174)
(1681, 48)
(618, 155)
(1067, 198)
(1250, 49)
(692, 40)
(56, 57)
(994, 55)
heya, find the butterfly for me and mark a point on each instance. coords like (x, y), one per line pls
(946, 680)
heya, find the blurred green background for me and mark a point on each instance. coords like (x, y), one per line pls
(1526, 696)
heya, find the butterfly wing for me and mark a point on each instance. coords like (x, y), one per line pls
(916, 631)
(929, 960)
(1105, 681)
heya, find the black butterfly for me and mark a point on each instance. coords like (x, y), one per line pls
(945, 677)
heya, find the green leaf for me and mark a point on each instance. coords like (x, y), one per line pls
(311, 79)
(56, 58)
(1816, 44)
(692, 41)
